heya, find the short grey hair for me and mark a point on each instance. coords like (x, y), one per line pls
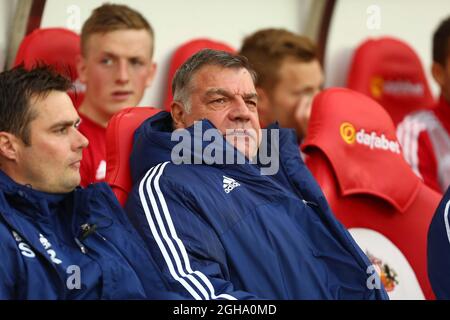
(181, 83)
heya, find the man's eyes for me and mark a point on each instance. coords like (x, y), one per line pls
(136, 62)
(106, 61)
(111, 61)
(306, 92)
(62, 130)
(222, 101)
(218, 102)
(251, 103)
(65, 129)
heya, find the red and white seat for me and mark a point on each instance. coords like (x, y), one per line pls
(184, 52)
(57, 47)
(119, 144)
(352, 150)
(389, 71)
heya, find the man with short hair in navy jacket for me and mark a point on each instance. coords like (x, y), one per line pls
(229, 212)
(59, 241)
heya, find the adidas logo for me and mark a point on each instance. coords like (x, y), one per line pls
(229, 184)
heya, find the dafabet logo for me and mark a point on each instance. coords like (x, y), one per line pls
(348, 132)
(371, 140)
(380, 86)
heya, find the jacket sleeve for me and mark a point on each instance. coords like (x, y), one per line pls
(185, 246)
(438, 251)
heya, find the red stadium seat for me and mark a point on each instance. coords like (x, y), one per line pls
(184, 52)
(57, 47)
(352, 150)
(389, 71)
(119, 143)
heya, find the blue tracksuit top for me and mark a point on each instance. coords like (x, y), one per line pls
(224, 231)
(41, 243)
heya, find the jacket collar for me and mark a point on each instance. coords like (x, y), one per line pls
(153, 145)
(156, 142)
(33, 203)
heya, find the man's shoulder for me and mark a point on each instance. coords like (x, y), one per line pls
(93, 189)
(178, 173)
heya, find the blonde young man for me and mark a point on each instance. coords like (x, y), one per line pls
(289, 75)
(116, 66)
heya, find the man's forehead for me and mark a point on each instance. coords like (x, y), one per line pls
(53, 107)
(301, 73)
(123, 42)
(230, 92)
(213, 78)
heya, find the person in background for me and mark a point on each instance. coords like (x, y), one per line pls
(289, 75)
(425, 135)
(57, 240)
(117, 45)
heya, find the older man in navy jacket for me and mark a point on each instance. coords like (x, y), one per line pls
(225, 220)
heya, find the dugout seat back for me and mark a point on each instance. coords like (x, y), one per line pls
(57, 47)
(352, 150)
(389, 71)
(119, 144)
(184, 52)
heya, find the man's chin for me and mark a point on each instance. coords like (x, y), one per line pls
(71, 183)
(115, 106)
(248, 150)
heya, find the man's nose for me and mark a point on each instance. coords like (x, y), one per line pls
(80, 141)
(122, 75)
(239, 110)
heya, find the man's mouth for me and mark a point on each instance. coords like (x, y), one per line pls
(241, 133)
(76, 164)
(121, 95)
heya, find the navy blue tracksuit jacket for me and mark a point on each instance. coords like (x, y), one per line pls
(78, 245)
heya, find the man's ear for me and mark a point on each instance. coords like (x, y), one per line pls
(438, 72)
(178, 113)
(9, 145)
(81, 68)
(151, 75)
